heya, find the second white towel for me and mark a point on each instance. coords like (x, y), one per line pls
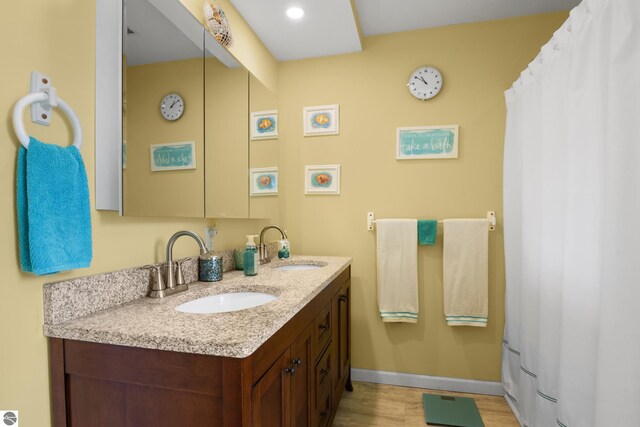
(397, 267)
(466, 272)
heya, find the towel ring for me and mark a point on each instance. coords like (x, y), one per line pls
(18, 126)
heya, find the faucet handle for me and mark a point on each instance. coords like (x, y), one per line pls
(179, 274)
(157, 287)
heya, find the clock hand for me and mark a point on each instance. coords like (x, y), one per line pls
(174, 103)
(425, 82)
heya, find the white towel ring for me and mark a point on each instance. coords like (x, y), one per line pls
(18, 126)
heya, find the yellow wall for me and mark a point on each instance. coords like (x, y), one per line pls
(478, 61)
(247, 48)
(66, 52)
(264, 152)
(162, 193)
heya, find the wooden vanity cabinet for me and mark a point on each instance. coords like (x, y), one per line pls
(295, 379)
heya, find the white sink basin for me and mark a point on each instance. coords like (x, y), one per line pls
(224, 303)
(297, 267)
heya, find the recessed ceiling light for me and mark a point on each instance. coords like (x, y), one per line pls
(295, 13)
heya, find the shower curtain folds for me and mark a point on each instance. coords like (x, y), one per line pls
(571, 351)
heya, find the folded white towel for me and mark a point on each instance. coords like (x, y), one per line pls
(466, 273)
(397, 255)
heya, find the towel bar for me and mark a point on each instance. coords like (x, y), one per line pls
(47, 95)
(491, 219)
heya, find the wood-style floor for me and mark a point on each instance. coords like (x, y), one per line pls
(386, 406)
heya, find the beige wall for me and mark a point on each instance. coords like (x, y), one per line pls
(227, 141)
(478, 61)
(162, 193)
(66, 52)
(263, 152)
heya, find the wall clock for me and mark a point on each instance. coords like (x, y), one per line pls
(172, 106)
(425, 82)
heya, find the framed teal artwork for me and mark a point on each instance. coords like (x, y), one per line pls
(322, 179)
(264, 124)
(263, 181)
(173, 156)
(427, 142)
(321, 120)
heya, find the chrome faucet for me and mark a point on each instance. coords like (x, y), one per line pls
(173, 286)
(262, 248)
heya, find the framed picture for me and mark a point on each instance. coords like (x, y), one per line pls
(427, 142)
(264, 124)
(173, 156)
(263, 181)
(321, 120)
(322, 179)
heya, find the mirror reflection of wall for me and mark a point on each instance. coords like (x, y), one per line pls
(163, 119)
(186, 118)
(226, 137)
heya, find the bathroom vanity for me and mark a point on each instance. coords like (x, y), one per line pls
(285, 363)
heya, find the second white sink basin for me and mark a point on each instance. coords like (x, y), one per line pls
(224, 303)
(295, 267)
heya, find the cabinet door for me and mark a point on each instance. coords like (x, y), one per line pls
(302, 362)
(271, 395)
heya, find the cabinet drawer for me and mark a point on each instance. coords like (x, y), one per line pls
(323, 408)
(322, 331)
(323, 373)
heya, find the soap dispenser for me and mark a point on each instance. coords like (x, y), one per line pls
(251, 257)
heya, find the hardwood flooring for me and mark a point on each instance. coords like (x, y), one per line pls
(380, 405)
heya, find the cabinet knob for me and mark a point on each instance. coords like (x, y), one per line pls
(343, 298)
(290, 370)
(325, 371)
(323, 413)
(297, 362)
(323, 326)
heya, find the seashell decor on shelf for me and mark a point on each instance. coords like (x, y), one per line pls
(217, 23)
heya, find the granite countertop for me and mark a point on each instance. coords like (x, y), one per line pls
(155, 324)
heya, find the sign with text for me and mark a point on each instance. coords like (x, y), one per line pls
(427, 142)
(173, 156)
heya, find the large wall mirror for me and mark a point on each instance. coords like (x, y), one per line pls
(187, 103)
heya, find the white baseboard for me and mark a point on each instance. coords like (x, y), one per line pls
(425, 381)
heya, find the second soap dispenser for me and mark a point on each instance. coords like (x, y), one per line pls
(251, 257)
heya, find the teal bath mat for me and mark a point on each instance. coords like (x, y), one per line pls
(451, 411)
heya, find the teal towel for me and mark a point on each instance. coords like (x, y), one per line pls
(427, 229)
(54, 217)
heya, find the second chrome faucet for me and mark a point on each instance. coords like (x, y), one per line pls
(262, 247)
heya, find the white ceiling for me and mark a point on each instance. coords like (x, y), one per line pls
(329, 26)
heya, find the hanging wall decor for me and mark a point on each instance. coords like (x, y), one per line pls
(264, 124)
(263, 181)
(427, 142)
(217, 23)
(321, 120)
(173, 156)
(322, 179)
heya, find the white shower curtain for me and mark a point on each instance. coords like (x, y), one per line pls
(571, 353)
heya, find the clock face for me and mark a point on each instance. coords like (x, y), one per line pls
(425, 82)
(172, 106)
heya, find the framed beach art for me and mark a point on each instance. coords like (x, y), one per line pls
(321, 120)
(264, 124)
(322, 179)
(427, 142)
(263, 181)
(173, 156)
